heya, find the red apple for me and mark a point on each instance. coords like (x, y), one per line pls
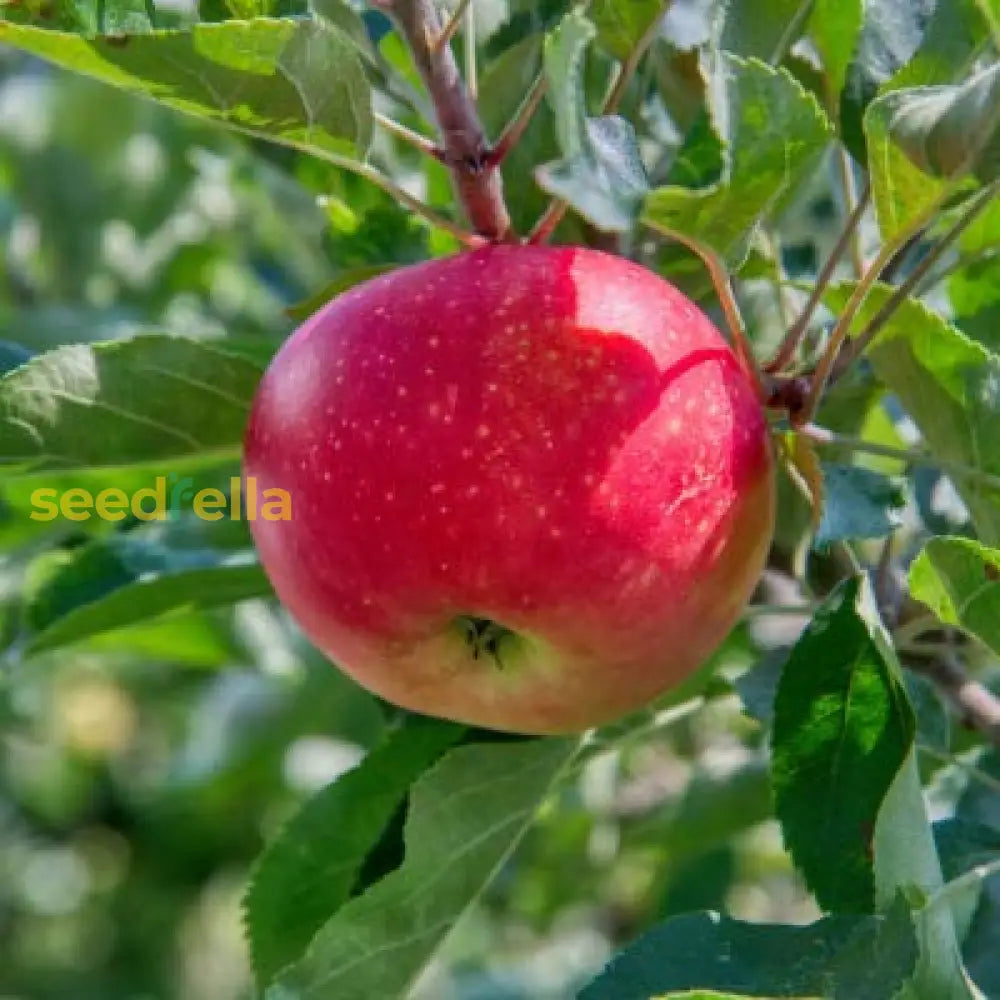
(531, 486)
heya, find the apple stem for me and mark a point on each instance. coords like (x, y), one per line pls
(546, 225)
(477, 181)
(793, 338)
(842, 327)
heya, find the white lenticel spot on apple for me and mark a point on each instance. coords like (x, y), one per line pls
(437, 488)
(482, 431)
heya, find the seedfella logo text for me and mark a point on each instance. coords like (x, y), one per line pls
(156, 502)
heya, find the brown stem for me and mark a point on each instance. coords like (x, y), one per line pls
(795, 334)
(415, 139)
(859, 344)
(516, 127)
(466, 152)
(977, 706)
(454, 23)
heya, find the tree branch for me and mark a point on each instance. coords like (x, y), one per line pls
(794, 336)
(517, 126)
(466, 151)
(856, 347)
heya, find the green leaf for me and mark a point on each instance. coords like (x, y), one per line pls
(974, 287)
(949, 386)
(857, 503)
(765, 29)
(901, 191)
(948, 131)
(953, 35)
(124, 402)
(466, 814)
(959, 580)
(906, 861)
(299, 83)
(908, 45)
(963, 845)
(123, 580)
(307, 873)
(621, 26)
(758, 686)
(834, 26)
(932, 714)
(838, 958)
(774, 133)
(601, 173)
(842, 729)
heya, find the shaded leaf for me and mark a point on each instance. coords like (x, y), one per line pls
(466, 814)
(949, 386)
(763, 30)
(758, 686)
(842, 728)
(906, 860)
(959, 580)
(123, 581)
(774, 132)
(834, 27)
(948, 131)
(601, 174)
(839, 958)
(857, 503)
(907, 45)
(931, 712)
(124, 402)
(621, 26)
(299, 83)
(963, 844)
(307, 873)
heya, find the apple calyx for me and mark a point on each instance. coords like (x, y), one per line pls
(484, 637)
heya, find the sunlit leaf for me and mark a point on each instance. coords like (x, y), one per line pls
(466, 814)
(842, 729)
(959, 580)
(774, 133)
(294, 82)
(306, 874)
(124, 402)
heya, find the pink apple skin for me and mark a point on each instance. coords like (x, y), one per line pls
(548, 438)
